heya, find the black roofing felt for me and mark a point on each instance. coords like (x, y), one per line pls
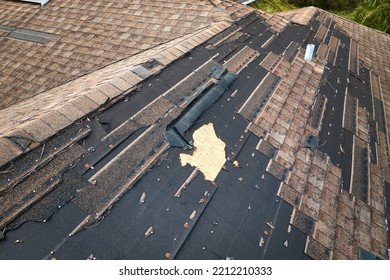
(241, 205)
(364, 255)
(37, 239)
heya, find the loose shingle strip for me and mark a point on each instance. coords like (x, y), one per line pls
(317, 112)
(271, 61)
(241, 59)
(37, 185)
(379, 114)
(349, 116)
(51, 203)
(302, 222)
(178, 93)
(39, 157)
(316, 250)
(354, 57)
(258, 98)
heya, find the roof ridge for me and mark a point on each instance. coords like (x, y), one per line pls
(306, 16)
(300, 16)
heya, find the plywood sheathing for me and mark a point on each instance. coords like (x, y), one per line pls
(209, 152)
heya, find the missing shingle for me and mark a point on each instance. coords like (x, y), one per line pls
(291, 51)
(31, 35)
(261, 94)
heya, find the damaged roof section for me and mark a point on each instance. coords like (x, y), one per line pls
(298, 175)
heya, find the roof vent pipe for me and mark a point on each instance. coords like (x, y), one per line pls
(309, 52)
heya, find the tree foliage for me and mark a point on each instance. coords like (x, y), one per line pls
(273, 5)
(372, 13)
(326, 4)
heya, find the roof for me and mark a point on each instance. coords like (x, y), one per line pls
(222, 143)
(81, 37)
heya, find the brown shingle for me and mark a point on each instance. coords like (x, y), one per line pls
(56, 120)
(113, 35)
(362, 234)
(8, 151)
(85, 104)
(109, 90)
(97, 96)
(289, 194)
(344, 242)
(71, 111)
(38, 129)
